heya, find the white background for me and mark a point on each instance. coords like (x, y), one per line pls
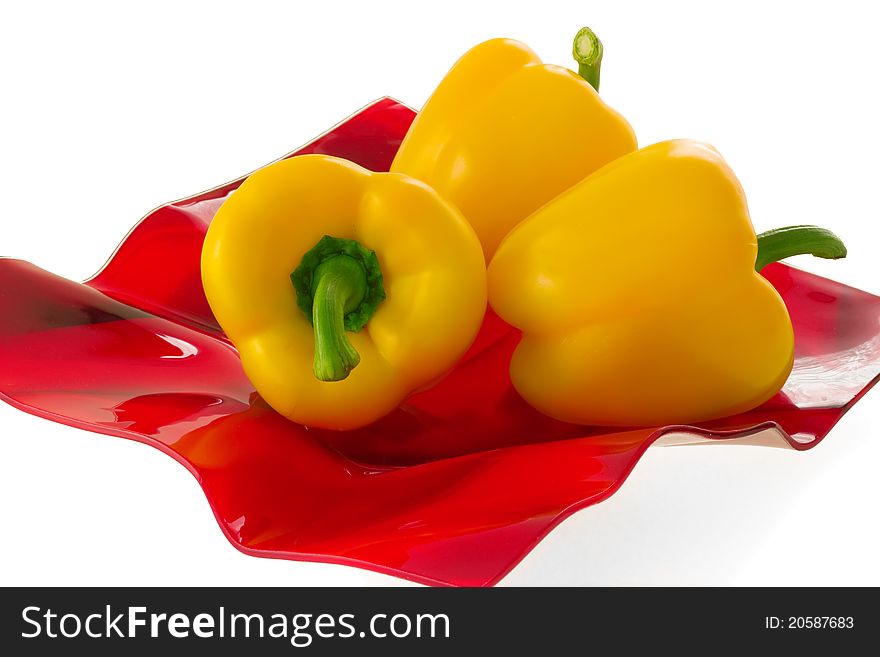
(109, 111)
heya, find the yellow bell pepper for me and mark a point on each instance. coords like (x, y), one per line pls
(638, 296)
(503, 133)
(343, 290)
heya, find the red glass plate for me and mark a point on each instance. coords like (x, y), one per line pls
(453, 488)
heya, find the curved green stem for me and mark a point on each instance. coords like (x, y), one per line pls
(338, 287)
(782, 243)
(587, 52)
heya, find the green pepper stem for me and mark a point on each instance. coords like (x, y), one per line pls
(338, 287)
(587, 52)
(779, 243)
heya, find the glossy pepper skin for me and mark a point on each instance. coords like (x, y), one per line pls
(504, 133)
(432, 269)
(638, 299)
